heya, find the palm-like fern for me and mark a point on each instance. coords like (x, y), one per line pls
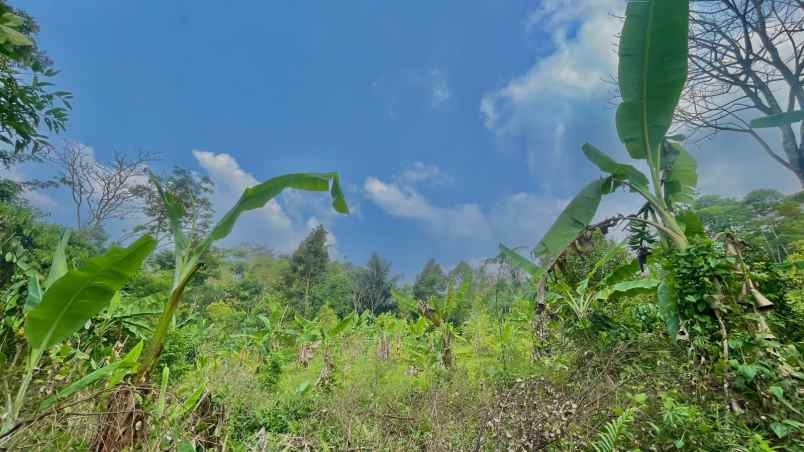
(613, 431)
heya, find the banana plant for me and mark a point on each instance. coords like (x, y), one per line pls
(172, 417)
(27, 280)
(652, 71)
(436, 312)
(323, 331)
(581, 298)
(273, 330)
(328, 335)
(188, 254)
(64, 302)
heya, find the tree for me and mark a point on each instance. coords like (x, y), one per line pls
(335, 288)
(430, 282)
(307, 265)
(373, 286)
(746, 60)
(767, 220)
(190, 190)
(103, 190)
(26, 100)
(461, 272)
(11, 192)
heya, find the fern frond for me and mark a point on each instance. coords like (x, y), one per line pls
(613, 431)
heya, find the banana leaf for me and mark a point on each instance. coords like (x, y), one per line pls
(681, 175)
(652, 72)
(778, 120)
(58, 267)
(82, 293)
(609, 166)
(125, 364)
(574, 219)
(519, 261)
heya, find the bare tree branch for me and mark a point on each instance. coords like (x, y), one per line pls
(746, 60)
(101, 191)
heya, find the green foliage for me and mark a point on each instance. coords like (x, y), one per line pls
(307, 267)
(766, 220)
(259, 195)
(597, 259)
(652, 72)
(220, 312)
(114, 372)
(788, 286)
(373, 286)
(67, 304)
(81, 293)
(609, 166)
(430, 282)
(680, 173)
(613, 431)
(10, 37)
(700, 275)
(190, 191)
(301, 352)
(581, 297)
(27, 101)
(668, 307)
(188, 255)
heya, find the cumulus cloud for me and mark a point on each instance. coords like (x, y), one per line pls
(563, 100)
(582, 35)
(519, 218)
(419, 172)
(230, 181)
(36, 198)
(460, 221)
(271, 225)
(731, 165)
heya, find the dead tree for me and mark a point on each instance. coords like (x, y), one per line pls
(746, 61)
(101, 191)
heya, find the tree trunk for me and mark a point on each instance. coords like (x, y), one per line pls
(794, 152)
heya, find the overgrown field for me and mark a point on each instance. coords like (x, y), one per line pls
(676, 327)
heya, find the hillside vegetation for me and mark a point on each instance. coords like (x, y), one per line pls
(676, 327)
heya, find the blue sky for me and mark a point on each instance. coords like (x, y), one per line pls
(454, 124)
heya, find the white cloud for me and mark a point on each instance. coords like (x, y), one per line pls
(409, 90)
(518, 219)
(563, 101)
(732, 165)
(420, 172)
(36, 198)
(575, 69)
(522, 218)
(230, 181)
(460, 221)
(271, 225)
(401, 198)
(440, 91)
